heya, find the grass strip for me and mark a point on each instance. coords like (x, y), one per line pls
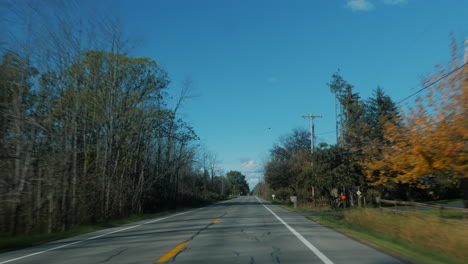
(444, 201)
(445, 213)
(305, 208)
(391, 245)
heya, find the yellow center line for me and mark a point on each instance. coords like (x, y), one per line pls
(228, 212)
(171, 253)
(217, 220)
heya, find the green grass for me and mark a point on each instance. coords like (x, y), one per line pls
(444, 201)
(392, 245)
(24, 241)
(445, 213)
(306, 207)
(230, 197)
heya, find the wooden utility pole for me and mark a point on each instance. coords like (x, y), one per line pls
(311, 117)
(464, 180)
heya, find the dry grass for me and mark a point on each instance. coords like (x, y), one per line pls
(316, 208)
(428, 232)
(306, 207)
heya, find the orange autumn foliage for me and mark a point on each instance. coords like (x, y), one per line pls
(430, 140)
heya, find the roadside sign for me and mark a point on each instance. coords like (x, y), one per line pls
(273, 196)
(359, 193)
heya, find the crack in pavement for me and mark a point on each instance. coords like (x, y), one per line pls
(116, 254)
(193, 237)
(237, 256)
(254, 237)
(275, 255)
(173, 259)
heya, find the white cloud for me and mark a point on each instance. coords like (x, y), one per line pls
(249, 165)
(253, 172)
(360, 5)
(395, 2)
(253, 178)
(253, 181)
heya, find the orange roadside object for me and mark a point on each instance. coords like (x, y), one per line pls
(343, 197)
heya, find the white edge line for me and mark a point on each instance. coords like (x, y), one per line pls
(90, 238)
(300, 237)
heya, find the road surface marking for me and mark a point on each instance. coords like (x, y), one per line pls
(90, 238)
(217, 220)
(171, 253)
(300, 237)
(228, 212)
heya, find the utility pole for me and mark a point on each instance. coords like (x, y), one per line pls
(311, 117)
(464, 180)
(466, 52)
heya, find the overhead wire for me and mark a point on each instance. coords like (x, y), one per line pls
(323, 133)
(434, 82)
(420, 90)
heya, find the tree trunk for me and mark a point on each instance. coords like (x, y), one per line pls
(313, 196)
(464, 184)
(38, 205)
(50, 213)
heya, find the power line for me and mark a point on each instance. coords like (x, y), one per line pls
(323, 133)
(436, 81)
(424, 127)
(420, 90)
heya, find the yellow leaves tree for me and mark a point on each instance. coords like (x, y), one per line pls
(430, 143)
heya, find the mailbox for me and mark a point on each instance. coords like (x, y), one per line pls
(294, 200)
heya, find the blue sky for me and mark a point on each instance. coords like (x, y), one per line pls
(257, 66)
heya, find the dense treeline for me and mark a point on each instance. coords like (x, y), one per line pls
(86, 131)
(417, 153)
(237, 183)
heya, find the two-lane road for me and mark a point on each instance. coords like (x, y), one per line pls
(243, 230)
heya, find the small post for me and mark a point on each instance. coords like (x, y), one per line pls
(359, 196)
(343, 197)
(377, 200)
(313, 196)
(343, 200)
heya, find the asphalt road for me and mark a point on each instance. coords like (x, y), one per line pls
(243, 230)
